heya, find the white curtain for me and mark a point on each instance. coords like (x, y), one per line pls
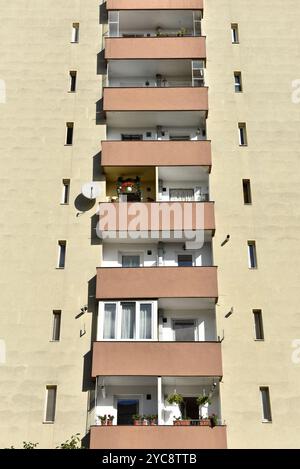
(109, 329)
(146, 321)
(186, 195)
(130, 261)
(128, 321)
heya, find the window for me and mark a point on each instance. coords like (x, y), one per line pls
(238, 82)
(69, 133)
(235, 33)
(56, 326)
(182, 194)
(247, 192)
(258, 322)
(73, 80)
(62, 245)
(65, 191)
(51, 392)
(131, 260)
(185, 260)
(127, 320)
(252, 259)
(266, 404)
(75, 33)
(242, 134)
(184, 330)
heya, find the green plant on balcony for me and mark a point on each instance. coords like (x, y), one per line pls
(214, 420)
(103, 419)
(182, 32)
(137, 419)
(202, 400)
(175, 398)
(152, 419)
(110, 419)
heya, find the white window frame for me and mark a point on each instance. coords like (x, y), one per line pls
(130, 253)
(75, 33)
(196, 324)
(101, 309)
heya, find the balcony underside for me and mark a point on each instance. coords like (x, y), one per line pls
(158, 437)
(157, 359)
(155, 99)
(156, 153)
(156, 282)
(155, 48)
(154, 5)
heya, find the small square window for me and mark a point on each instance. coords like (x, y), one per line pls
(247, 192)
(258, 322)
(234, 33)
(238, 82)
(252, 258)
(242, 134)
(62, 246)
(50, 407)
(266, 404)
(69, 133)
(75, 33)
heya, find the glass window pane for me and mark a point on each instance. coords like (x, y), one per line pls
(128, 321)
(50, 403)
(146, 321)
(185, 260)
(109, 328)
(130, 261)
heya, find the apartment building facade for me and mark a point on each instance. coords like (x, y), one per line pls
(134, 336)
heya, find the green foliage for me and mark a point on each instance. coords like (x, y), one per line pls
(73, 443)
(203, 400)
(175, 398)
(29, 445)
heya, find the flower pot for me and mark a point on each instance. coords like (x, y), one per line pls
(136, 422)
(153, 423)
(109, 422)
(182, 423)
(144, 422)
(205, 423)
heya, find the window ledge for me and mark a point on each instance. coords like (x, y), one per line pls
(259, 340)
(68, 144)
(266, 421)
(48, 423)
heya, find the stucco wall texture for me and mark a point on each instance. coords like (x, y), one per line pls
(36, 57)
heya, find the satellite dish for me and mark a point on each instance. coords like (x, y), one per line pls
(91, 190)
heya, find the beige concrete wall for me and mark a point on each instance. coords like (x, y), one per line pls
(267, 56)
(36, 57)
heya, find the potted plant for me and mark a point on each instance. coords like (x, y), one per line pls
(182, 32)
(158, 31)
(202, 401)
(137, 419)
(144, 420)
(152, 419)
(103, 419)
(175, 398)
(110, 419)
(213, 420)
(179, 422)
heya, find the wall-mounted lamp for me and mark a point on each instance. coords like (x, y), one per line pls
(225, 240)
(229, 313)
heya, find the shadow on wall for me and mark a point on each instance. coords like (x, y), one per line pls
(97, 170)
(82, 204)
(103, 14)
(95, 240)
(100, 114)
(101, 63)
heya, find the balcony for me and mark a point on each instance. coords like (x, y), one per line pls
(143, 416)
(158, 437)
(154, 5)
(156, 153)
(117, 48)
(157, 359)
(156, 282)
(155, 99)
